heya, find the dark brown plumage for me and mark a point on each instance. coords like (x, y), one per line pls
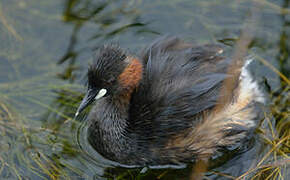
(159, 108)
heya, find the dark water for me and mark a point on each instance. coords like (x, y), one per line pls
(44, 51)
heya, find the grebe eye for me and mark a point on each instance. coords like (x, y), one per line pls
(111, 80)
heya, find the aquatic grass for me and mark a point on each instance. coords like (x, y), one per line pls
(36, 111)
(8, 25)
(2, 164)
(277, 8)
(276, 160)
(50, 108)
(42, 162)
(21, 129)
(283, 77)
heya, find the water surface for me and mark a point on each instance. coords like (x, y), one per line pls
(46, 46)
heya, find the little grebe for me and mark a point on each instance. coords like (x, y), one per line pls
(159, 108)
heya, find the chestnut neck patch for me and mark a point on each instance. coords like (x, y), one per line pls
(131, 76)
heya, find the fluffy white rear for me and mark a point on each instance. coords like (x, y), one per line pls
(249, 87)
(238, 116)
(241, 113)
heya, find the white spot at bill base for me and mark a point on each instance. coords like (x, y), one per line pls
(101, 93)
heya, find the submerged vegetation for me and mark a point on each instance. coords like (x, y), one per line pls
(46, 45)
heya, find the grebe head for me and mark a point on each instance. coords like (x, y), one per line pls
(112, 72)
